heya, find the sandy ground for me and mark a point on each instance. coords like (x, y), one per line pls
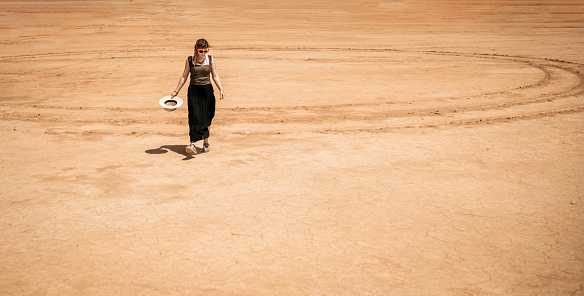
(363, 148)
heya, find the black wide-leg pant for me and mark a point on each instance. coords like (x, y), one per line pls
(201, 104)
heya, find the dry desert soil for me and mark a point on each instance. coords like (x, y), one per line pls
(378, 147)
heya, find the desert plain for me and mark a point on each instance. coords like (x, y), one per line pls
(410, 147)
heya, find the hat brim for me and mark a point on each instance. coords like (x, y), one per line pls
(164, 101)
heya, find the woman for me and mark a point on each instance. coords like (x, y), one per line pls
(201, 99)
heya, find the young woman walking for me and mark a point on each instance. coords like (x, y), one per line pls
(201, 98)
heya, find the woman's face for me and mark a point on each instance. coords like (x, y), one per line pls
(201, 51)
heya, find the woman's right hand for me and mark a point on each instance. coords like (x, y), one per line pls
(174, 94)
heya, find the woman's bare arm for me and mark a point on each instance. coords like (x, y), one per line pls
(182, 79)
(215, 76)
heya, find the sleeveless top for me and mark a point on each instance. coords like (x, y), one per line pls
(200, 72)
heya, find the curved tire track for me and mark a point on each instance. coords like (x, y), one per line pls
(560, 91)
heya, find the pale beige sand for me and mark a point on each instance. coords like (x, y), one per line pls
(364, 148)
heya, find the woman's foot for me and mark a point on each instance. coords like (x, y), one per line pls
(206, 147)
(191, 149)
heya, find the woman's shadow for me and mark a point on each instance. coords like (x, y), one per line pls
(179, 149)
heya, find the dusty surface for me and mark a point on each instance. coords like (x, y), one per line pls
(364, 148)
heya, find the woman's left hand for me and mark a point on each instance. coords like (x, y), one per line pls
(222, 96)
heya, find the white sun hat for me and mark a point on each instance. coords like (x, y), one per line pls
(170, 104)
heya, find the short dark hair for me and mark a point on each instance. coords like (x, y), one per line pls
(201, 43)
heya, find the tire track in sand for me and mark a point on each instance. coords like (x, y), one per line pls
(561, 90)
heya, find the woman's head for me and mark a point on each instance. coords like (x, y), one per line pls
(201, 44)
(201, 47)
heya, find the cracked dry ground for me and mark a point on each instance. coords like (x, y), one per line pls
(378, 148)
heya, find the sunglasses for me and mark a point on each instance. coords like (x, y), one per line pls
(203, 51)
